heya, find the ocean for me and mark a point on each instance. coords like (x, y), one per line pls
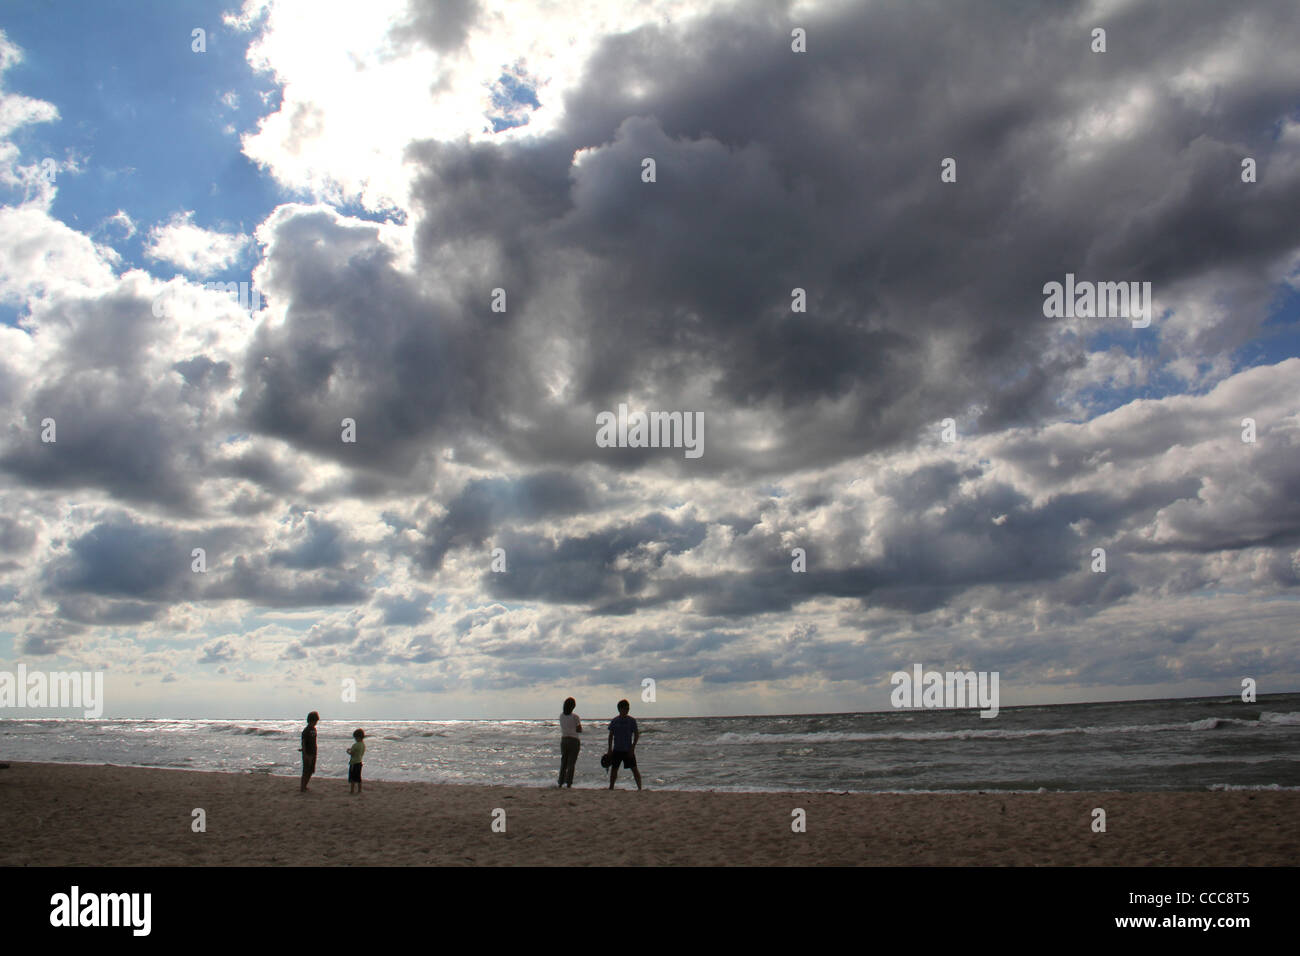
(1186, 744)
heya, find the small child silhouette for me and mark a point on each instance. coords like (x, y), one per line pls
(355, 753)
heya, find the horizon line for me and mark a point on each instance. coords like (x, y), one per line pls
(836, 713)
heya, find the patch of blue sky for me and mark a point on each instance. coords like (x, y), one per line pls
(147, 118)
(1279, 338)
(514, 97)
(356, 210)
(1106, 398)
(1107, 334)
(1100, 399)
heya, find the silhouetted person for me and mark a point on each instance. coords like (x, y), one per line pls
(570, 742)
(355, 753)
(623, 736)
(309, 749)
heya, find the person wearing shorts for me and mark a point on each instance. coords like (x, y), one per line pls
(623, 735)
(355, 753)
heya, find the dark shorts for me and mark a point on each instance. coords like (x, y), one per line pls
(625, 757)
(308, 764)
(354, 773)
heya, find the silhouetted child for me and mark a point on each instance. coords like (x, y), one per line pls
(355, 753)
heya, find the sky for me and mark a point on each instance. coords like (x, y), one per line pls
(308, 322)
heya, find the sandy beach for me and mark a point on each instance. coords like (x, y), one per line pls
(70, 815)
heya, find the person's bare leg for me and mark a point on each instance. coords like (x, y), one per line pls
(613, 775)
(637, 773)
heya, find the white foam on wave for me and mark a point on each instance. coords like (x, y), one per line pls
(252, 731)
(1268, 717)
(1209, 723)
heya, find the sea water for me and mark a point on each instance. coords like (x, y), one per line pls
(1186, 744)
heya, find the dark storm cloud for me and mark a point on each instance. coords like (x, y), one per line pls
(118, 427)
(121, 558)
(113, 434)
(991, 536)
(85, 609)
(821, 171)
(202, 372)
(440, 24)
(48, 637)
(360, 342)
(774, 170)
(263, 469)
(404, 611)
(123, 570)
(251, 579)
(320, 544)
(486, 504)
(606, 565)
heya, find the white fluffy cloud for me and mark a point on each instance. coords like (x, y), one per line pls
(193, 249)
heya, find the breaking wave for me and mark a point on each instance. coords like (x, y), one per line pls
(1209, 723)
